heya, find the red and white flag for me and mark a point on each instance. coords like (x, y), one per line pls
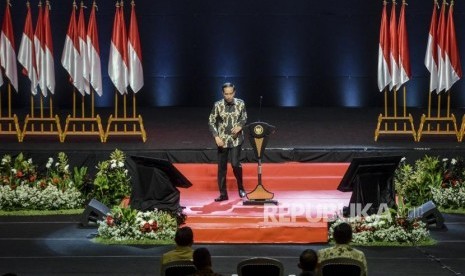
(49, 62)
(26, 53)
(384, 74)
(81, 32)
(7, 49)
(70, 58)
(136, 73)
(93, 51)
(453, 66)
(394, 50)
(431, 57)
(404, 56)
(39, 45)
(441, 49)
(118, 61)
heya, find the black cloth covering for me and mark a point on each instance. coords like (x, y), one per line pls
(154, 184)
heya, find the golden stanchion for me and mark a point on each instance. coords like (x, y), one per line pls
(442, 122)
(9, 124)
(83, 125)
(462, 129)
(391, 122)
(47, 123)
(135, 120)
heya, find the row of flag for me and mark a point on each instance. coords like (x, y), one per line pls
(81, 53)
(442, 57)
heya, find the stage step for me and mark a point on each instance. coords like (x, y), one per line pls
(275, 176)
(234, 232)
(305, 193)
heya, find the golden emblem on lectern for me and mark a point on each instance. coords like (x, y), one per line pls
(258, 130)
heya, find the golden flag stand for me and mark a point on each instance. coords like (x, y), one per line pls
(391, 122)
(82, 125)
(10, 122)
(125, 121)
(46, 124)
(442, 123)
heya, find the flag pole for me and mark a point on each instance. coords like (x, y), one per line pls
(393, 115)
(92, 97)
(74, 106)
(405, 106)
(116, 109)
(439, 111)
(125, 118)
(92, 107)
(32, 106)
(83, 113)
(9, 102)
(124, 110)
(429, 109)
(82, 106)
(385, 107)
(51, 112)
(41, 111)
(448, 107)
(32, 111)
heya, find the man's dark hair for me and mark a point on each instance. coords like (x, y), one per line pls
(202, 258)
(342, 233)
(308, 260)
(228, 84)
(184, 236)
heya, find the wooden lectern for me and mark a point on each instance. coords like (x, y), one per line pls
(258, 133)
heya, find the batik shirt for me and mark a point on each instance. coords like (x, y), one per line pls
(180, 253)
(342, 251)
(224, 117)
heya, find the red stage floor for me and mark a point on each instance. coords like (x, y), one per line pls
(306, 195)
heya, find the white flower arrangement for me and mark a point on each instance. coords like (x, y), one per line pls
(129, 224)
(451, 197)
(50, 198)
(23, 188)
(383, 228)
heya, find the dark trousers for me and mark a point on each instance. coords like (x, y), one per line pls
(223, 154)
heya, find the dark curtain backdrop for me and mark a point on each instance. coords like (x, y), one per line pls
(291, 52)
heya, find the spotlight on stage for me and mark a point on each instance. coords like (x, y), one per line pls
(429, 214)
(94, 212)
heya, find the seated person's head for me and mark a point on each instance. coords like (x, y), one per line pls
(308, 260)
(342, 233)
(202, 258)
(184, 236)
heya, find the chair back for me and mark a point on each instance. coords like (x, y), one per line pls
(178, 268)
(260, 266)
(341, 266)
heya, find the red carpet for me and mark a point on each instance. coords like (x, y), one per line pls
(306, 195)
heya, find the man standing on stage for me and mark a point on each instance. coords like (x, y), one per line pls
(226, 121)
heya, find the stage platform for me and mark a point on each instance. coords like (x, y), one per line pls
(306, 199)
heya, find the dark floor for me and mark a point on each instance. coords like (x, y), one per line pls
(57, 245)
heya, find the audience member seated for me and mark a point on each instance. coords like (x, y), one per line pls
(307, 262)
(184, 239)
(342, 236)
(203, 262)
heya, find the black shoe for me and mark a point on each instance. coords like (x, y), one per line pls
(241, 193)
(221, 198)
